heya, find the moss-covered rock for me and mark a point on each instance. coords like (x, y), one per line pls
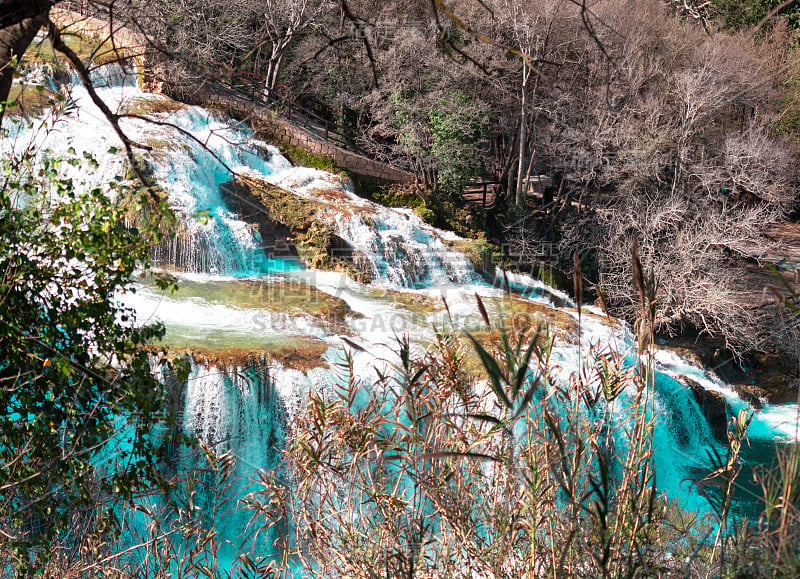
(296, 299)
(302, 224)
(378, 190)
(522, 315)
(150, 104)
(523, 320)
(425, 213)
(390, 195)
(484, 255)
(30, 100)
(554, 278)
(304, 158)
(416, 303)
(762, 376)
(776, 376)
(91, 50)
(305, 353)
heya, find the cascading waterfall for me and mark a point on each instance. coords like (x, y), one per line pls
(245, 408)
(236, 407)
(403, 251)
(231, 408)
(219, 243)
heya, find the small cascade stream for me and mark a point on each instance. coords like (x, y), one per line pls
(239, 295)
(404, 252)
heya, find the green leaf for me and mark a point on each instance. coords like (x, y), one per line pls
(523, 365)
(526, 400)
(203, 216)
(496, 379)
(486, 418)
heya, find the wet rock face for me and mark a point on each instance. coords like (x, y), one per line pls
(714, 408)
(295, 227)
(750, 394)
(251, 210)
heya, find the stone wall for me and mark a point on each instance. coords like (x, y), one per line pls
(287, 132)
(283, 130)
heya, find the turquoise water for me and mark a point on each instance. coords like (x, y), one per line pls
(244, 406)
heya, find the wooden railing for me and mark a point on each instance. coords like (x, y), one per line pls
(255, 88)
(83, 7)
(484, 190)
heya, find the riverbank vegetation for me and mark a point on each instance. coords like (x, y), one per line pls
(447, 469)
(436, 474)
(73, 372)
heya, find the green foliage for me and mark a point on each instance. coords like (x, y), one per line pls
(737, 14)
(73, 373)
(425, 213)
(458, 125)
(446, 139)
(409, 126)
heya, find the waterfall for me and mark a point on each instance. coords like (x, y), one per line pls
(403, 251)
(230, 407)
(246, 407)
(113, 75)
(236, 407)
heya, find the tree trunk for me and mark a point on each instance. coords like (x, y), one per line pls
(523, 125)
(274, 66)
(15, 37)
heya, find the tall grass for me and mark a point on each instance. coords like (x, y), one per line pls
(467, 459)
(439, 471)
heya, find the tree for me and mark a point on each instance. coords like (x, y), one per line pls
(235, 35)
(458, 127)
(676, 144)
(526, 37)
(73, 369)
(19, 23)
(282, 21)
(76, 382)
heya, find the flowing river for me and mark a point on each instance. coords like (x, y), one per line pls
(264, 328)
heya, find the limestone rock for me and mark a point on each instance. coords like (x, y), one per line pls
(714, 408)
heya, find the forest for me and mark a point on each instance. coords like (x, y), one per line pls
(640, 156)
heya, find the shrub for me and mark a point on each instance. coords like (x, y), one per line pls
(78, 393)
(433, 471)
